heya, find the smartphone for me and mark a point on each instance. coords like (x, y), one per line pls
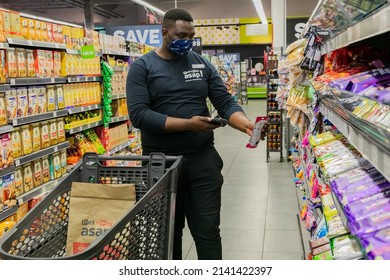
(219, 121)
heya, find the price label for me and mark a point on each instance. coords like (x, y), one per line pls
(17, 162)
(56, 46)
(55, 149)
(78, 79)
(30, 43)
(10, 41)
(12, 82)
(55, 114)
(52, 80)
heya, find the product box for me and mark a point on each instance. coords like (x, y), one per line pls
(6, 151)
(66, 35)
(30, 63)
(50, 32)
(6, 23)
(21, 62)
(11, 63)
(11, 103)
(40, 63)
(32, 101)
(19, 184)
(22, 98)
(25, 28)
(8, 190)
(51, 98)
(2, 33)
(3, 110)
(42, 99)
(16, 139)
(60, 97)
(3, 67)
(28, 177)
(16, 27)
(60, 34)
(38, 32)
(31, 30)
(57, 64)
(22, 211)
(49, 63)
(6, 226)
(44, 31)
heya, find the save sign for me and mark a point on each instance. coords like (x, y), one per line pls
(143, 34)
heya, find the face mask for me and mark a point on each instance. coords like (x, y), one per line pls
(180, 47)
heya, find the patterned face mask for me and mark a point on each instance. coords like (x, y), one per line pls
(180, 47)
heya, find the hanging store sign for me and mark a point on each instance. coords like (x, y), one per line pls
(294, 27)
(87, 52)
(230, 57)
(144, 34)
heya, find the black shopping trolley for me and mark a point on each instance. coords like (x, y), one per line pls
(143, 233)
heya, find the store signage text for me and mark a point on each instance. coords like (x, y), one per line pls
(143, 34)
(229, 57)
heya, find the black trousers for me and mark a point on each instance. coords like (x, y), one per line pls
(199, 200)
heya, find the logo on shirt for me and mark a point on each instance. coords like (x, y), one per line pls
(193, 75)
(198, 66)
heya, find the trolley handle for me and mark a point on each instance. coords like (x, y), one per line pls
(135, 158)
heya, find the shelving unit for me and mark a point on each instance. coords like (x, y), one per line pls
(7, 213)
(6, 171)
(119, 119)
(275, 126)
(119, 148)
(35, 81)
(4, 87)
(6, 129)
(84, 127)
(118, 96)
(4, 46)
(76, 110)
(37, 44)
(38, 118)
(84, 79)
(44, 152)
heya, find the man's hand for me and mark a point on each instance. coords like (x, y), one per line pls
(199, 124)
(249, 130)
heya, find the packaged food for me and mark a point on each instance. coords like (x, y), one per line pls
(12, 104)
(36, 136)
(16, 139)
(63, 162)
(32, 101)
(60, 97)
(30, 63)
(38, 32)
(22, 211)
(28, 177)
(9, 194)
(40, 63)
(45, 170)
(31, 30)
(346, 247)
(11, 63)
(22, 97)
(21, 61)
(57, 63)
(44, 31)
(60, 35)
(55, 166)
(26, 140)
(53, 132)
(61, 137)
(257, 131)
(19, 184)
(45, 134)
(6, 24)
(3, 66)
(49, 63)
(16, 28)
(6, 151)
(37, 171)
(25, 28)
(6, 226)
(365, 190)
(42, 99)
(55, 32)
(49, 32)
(3, 110)
(51, 98)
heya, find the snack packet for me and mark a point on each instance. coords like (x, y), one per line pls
(256, 135)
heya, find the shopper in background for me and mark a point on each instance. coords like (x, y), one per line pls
(166, 97)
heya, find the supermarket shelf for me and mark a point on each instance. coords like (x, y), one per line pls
(49, 186)
(83, 127)
(118, 96)
(305, 237)
(6, 129)
(112, 52)
(37, 44)
(45, 152)
(35, 81)
(136, 54)
(7, 171)
(83, 79)
(72, 51)
(83, 109)
(38, 118)
(119, 148)
(5, 87)
(367, 142)
(340, 209)
(4, 46)
(136, 148)
(119, 68)
(9, 212)
(374, 25)
(119, 119)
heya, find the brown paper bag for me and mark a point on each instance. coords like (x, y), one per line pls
(94, 209)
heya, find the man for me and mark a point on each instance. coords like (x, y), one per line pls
(166, 97)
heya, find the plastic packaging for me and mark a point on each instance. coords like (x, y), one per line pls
(26, 140)
(45, 135)
(36, 137)
(256, 135)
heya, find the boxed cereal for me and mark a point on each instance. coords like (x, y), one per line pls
(12, 69)
(60, 34)
(22, 98)
(3, 67)
(19, 185)
(38, 32)
(25, 28)
(31, 29)
(32, 101)
(50, 32)
(16, 139)
(21, 62)
(28, 181)
(44, 31)
(12, 104)
(57, 63)
(3, 110)
(6, 23)
(16, 27)
(30, 63)
(49, 63)
(40, 63)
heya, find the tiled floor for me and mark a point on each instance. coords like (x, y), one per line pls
(259, 203)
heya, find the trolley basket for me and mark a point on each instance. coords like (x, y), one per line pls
(143, 233)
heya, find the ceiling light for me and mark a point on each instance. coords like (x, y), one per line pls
(50, 20)
(260, 11)
(149, 6)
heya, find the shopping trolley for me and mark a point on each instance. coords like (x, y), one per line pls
(143, 233)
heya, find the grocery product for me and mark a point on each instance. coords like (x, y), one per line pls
(26, 139)
(55, 166)
(49, 64)
(51, 98)
(36, 136)
(16, 28)
(63, 162)
(6, 226)
(38, 32)
(60, 97)
(22, 99)
(28, 181)
(8, 189)
(16, 139)
(44, 31)
(19, 184)
(57, 64)
(3, 66)
(49, 32)
(3, 110)
(6, 23)
(32, 101)
(12, 68)
(37, 171)
(53, 132)
(45, 170)
(31, 30)
(21, 62)
(25, 28)
(40, 63)
(30, 63)
(45, 135)
(61, 130)
(42, 99)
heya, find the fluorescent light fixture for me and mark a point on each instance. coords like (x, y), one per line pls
(260, 11)
(151, 7)
(50, 20)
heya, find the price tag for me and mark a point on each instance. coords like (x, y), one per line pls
(55, 114)
(56, 149)
(12, 82)
(78, 79)
(56, 46)
(10, 40)
(52, 80)
(30, 43)
(17, 162)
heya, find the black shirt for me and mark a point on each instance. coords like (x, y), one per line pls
(157, 88)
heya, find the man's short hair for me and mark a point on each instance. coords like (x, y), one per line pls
(173, 15)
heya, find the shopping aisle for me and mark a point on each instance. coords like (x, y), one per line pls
(259, 204)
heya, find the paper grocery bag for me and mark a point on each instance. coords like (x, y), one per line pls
(94, 209)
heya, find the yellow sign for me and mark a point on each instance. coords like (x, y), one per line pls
(251, 32)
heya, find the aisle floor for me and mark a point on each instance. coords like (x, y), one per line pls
(259, 202)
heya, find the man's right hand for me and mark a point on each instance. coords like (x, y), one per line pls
(200, 124)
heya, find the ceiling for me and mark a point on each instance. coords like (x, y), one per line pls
(125, 12)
